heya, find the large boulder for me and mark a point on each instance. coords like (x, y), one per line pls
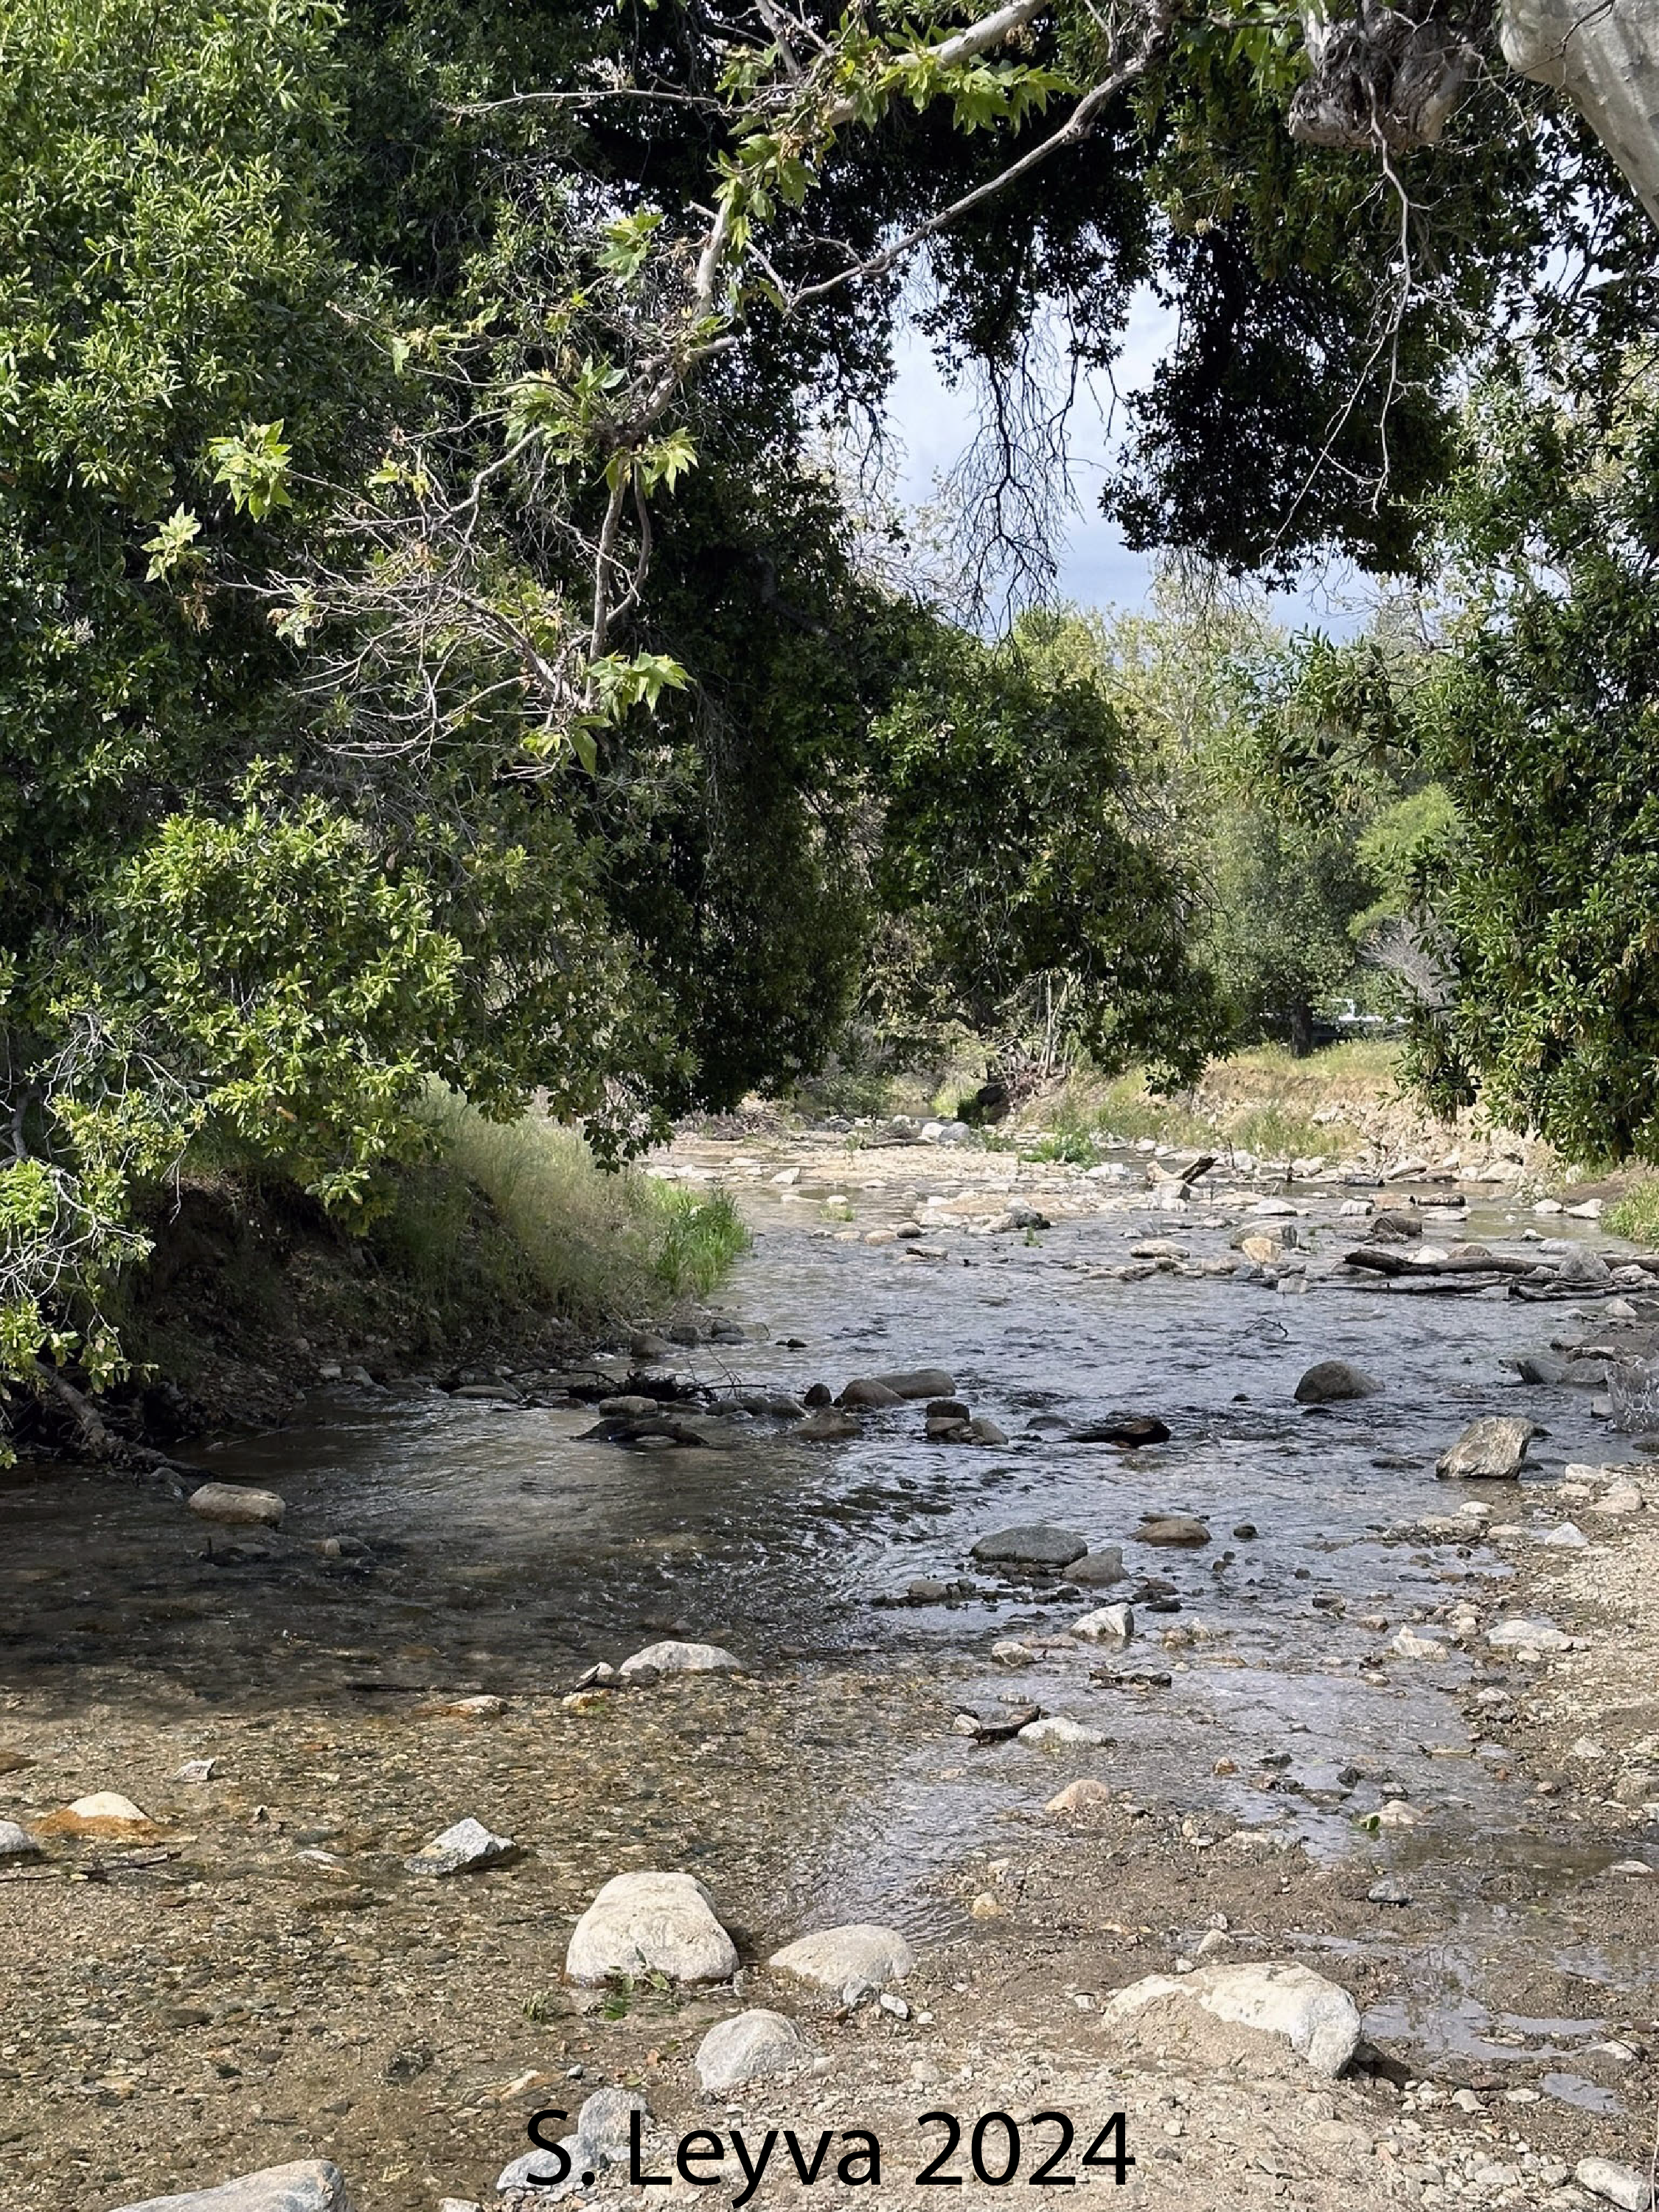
(1319, 2020)
(673, 1657)
(310, 2185)
(1330, 1382)
(236, 1506)
(642, 1924)
(748, 2047)
(830, 1958)
(1033, 1544)
(1489, 1450)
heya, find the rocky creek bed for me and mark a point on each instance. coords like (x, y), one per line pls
(1307, 1751)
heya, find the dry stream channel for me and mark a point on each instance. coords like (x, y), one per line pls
(260, 1980)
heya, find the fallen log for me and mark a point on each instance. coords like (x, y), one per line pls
(1382, 1262)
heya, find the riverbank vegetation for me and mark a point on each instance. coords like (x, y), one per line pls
(453, 629)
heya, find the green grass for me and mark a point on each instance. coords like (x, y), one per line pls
(555, 1228)
(1636, 1215)
(1280, 1132)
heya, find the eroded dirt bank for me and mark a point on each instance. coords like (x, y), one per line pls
(259, 1979)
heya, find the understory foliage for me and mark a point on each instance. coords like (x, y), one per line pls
(433, 647)
(1531, 698)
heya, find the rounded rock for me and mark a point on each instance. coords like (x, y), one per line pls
(237, 1507)
(748, 2047)
(832, 1957)
(672, 1657)
(642, 1924)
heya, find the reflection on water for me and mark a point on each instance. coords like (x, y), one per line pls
(508, 1552)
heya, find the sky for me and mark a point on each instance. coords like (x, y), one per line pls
(933, 425)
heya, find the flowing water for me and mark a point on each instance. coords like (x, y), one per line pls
(510, 1552)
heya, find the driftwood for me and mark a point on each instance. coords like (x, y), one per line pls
(1382, 1262)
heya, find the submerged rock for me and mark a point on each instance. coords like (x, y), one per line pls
(1085, 1794)
(237, 1507)
(1137, 1429)
(1032, 1544)
(1319, 2020)
(824, 1427)
(748, 2047)
(1332, 1381)
(1059, 1727)
(312, 2185)
(830, 1958)
(1489, 1450)
(642, 1924)
(673, 1657)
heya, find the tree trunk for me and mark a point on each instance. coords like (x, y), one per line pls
(1606, 58)
(1301, 1030)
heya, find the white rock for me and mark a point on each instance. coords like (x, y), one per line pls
(672, 1657)
(832, 1957)
(1410, 1646)
(1057, 1728)
(1625, 1498)
(606, 2123)
(238, 1507)
(1271, 1209)
(642, 1924)
(1078, 1796)
(1111, 1624)
(1619, 2184)
(1569, 1537)
(1527, 1636)
(105, 1807)
(748, 2047)
(16, 1843)
(1318, 2019)
(460, 1849)
(197, 1770)
(310, 2185)
(541, 2165)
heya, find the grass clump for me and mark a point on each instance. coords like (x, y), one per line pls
(554, 1229)
(1636, 1215)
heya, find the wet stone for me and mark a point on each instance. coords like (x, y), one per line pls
(832, 1957)
(1178, 1530)
(1333, 1381)
(1491, 1450)
(1031, 1544)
